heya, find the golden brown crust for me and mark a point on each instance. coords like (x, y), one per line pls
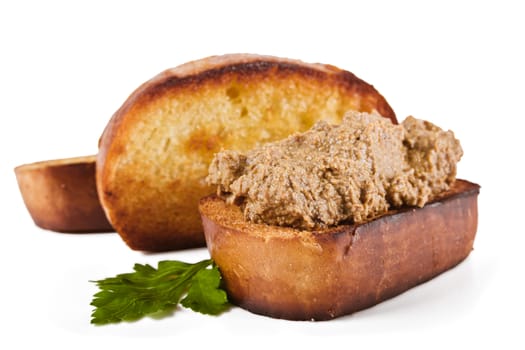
(155, 151)
(300, 275)
(61, 195)
(249, 66)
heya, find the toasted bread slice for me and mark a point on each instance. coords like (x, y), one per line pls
(302, 275)
(61, 195)
(155, 151)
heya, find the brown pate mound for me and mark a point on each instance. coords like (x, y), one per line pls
(352, 171)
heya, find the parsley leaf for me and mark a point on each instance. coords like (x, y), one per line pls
(204, 294)
(146, 291)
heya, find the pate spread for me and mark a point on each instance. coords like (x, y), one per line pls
(351, 172)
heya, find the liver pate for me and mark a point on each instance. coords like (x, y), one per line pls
(350, 172)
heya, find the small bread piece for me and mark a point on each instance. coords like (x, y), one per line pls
(155, 151)
(61, 195)
(303, 275)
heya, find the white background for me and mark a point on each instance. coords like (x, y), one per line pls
(65, 67)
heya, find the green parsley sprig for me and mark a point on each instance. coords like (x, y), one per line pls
(149, 291)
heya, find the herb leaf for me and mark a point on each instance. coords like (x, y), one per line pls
(204, 294)
(146, 291)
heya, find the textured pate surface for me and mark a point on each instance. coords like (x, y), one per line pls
(352, 171)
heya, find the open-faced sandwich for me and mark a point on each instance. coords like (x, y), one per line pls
(338, 218)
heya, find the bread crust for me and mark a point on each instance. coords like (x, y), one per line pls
(154, 152)
(61, 195)
(301, 275)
